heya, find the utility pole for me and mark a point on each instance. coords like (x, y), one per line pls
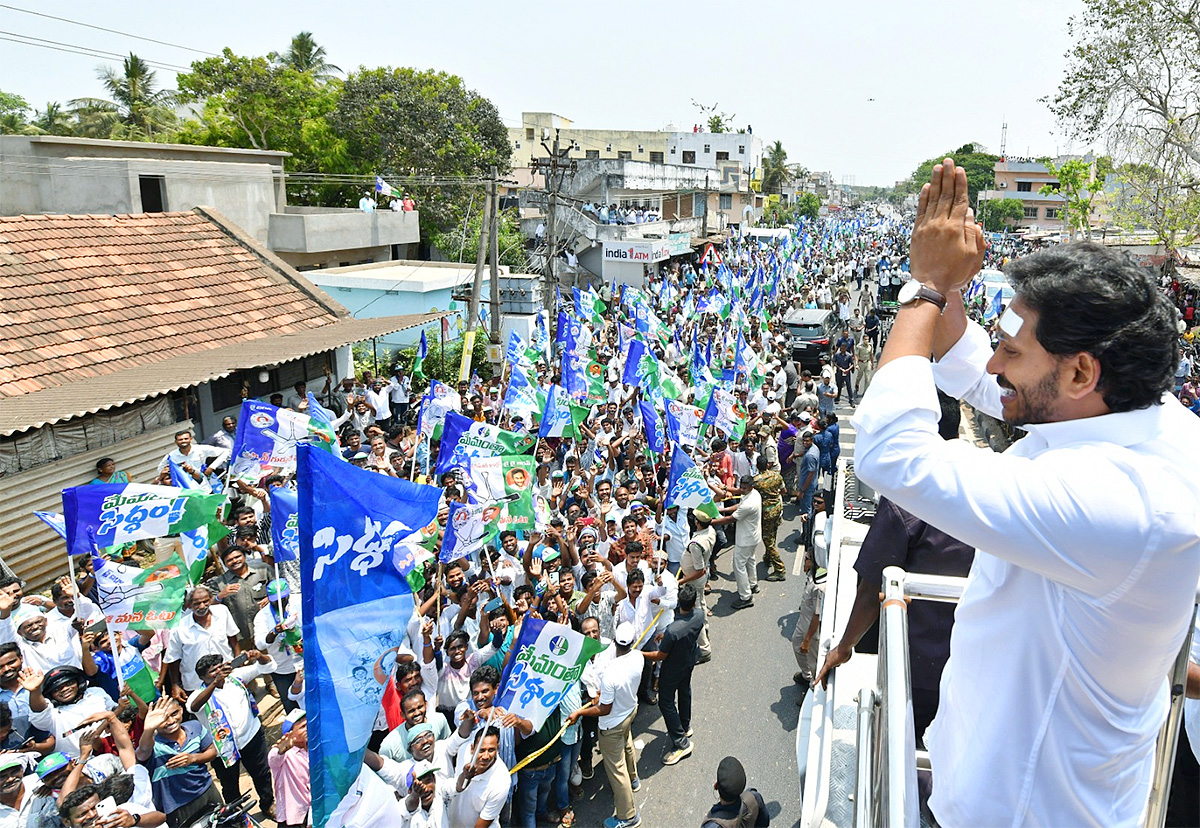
(706, 205)
(486, 231)
(494, 256)
(552, 169)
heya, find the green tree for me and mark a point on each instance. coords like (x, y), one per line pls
(980, 167)
(138, 110)
(54, 120)
(424, 126)
(304, 55)
(14, 115)
(1077, 187)
(461, 243)
(776, 173)
(807, 204)
(996, 214)
(713, 119)
(253, 103)
(1133, 80)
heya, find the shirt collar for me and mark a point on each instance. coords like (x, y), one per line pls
(1125, 428)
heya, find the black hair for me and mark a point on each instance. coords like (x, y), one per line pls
(687, 598)
(274, 478)
(404, 669)
(588, 579)
(5, 715)
(458, 637)
(242, 510)
(119, 786)
(485, 674)
(412, 694)
(637, 575)
(523, 589)
(1090, 299)
(485, 732)
(56, 590)
(507, 533)
(102, 462)
(8, 580)
(76, 798)
(206, 663)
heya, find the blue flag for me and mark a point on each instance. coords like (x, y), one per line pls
(353, 527)
(996, 306)
(55, 521)
(319, 412)
(181, 478)
(686, 486)
(634, 372)
(468, 529)
(267, 437)
(656, 437)
(285, 526)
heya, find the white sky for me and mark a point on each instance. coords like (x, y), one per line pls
(941, 74)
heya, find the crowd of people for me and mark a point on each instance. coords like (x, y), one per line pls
(614, 558)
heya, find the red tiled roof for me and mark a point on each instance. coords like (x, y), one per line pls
(86, 296)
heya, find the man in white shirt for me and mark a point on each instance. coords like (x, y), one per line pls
(190, 457)
(748, 517)
(380, 404)
(1082, 588)
(399, 391)
(225, 701)
(619, 680)
(206, 629)
(483, 782)
(16, 790)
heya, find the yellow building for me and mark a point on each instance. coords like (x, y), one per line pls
(628, 144)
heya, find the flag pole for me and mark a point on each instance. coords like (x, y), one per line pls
(74, 584)
(437, 607)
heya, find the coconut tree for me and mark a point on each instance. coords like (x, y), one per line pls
(136, 109)
(54, 120)
(304, 55)
(775, 169)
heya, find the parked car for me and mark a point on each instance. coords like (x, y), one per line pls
(811, 334)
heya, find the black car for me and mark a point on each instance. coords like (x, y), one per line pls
(811, 334)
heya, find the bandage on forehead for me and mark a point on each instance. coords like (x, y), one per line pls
(1010, 323)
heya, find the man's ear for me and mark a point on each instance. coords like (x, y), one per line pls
(1082, 374)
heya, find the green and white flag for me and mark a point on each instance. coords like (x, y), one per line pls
(507, 481)
(561, 417)
(140, 599)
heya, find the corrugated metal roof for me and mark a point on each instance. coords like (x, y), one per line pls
(139, 382)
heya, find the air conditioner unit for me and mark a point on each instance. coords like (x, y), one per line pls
(1003, 185)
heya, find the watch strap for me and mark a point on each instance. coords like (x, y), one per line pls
(928, 294)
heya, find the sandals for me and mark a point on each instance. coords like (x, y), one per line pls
(568, 818)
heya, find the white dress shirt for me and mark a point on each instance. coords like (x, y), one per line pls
(1077, 602)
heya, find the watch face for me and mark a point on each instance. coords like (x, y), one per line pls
(908, 291)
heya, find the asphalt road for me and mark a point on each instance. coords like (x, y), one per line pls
(744, 703)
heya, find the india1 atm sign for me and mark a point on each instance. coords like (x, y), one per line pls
(646, 251)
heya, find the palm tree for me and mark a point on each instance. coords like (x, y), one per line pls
(138, 110)
(775, 169)
(304, 55)
(53, 120)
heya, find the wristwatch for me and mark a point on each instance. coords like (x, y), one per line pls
(913, 291)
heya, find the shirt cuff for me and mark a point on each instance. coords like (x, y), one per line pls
(901, 386)
(957, 372)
